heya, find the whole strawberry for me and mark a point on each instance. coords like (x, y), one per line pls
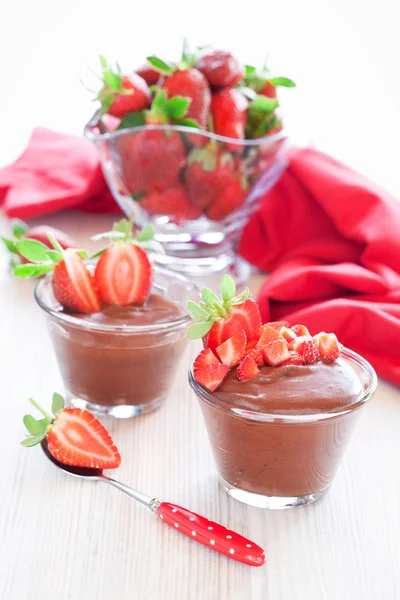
(208, 171)
(173, 202)
(229, 199)
(122, 94)
(73, 436)
(229, 114)
(220, 68)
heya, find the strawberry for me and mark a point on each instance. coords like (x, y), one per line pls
(123, 272)
(300, 330)
(277, 325)
(287, 333)
(310, 352)
(275, 353)
(74, 436)
(256, 354)
(229, 113)
(205, 358)
(208, 171)
(72, 282)
(218, 319)
(173, 202)
(192, 84)
(328, 345)
(298, 343)
(268, 90)
(122, 94)
(150, 75)
(247, 369)
(268, 335)
(211, 376)
(294, 359)
(230, 198)
(232, 350)
(220, 68)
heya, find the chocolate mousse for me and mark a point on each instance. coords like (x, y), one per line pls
(104, 362)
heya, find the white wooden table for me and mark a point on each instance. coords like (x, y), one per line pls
(71, 540)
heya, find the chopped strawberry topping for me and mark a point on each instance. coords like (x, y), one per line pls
(247, 369)
(300, 330)
(287, 333)
(278, 324)
(232, 350)
(268, 335)
(329, 347)
(275, 353)
(206, 357)
(211, 376)
(294, 359)
(298, 343)
(310, 352)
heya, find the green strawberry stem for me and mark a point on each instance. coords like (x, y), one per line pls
(40, 409)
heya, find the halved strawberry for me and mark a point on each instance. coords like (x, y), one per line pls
(275, 353)
(329, 346)
(73, 285)
(206, 357)
(74, 436)
(278, 324)
(232, 350)
(123, 275)
(268, 335)
(294, 359)
(310, 352)
(211, 376)
(247, 369)
(287, 333)
(300, 330)
(297, 344)
(244, 317)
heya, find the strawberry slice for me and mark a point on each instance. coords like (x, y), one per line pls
(77, 438)
(268, 335)
(232, 350)
(276, 352)
(310, 352)
(298, 343)
(244, 317)
(73, 285)
(206, 357)
(300, 330)
(123, 275)
(287, 333)
(278, 324)
(257, 355)
(329, 347)
(211, 376)
(294, 359)
(247, 369)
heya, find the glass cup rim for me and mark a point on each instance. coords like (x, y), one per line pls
(348, 354)
(165, 327)
(181, 128)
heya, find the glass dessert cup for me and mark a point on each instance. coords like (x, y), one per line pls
(201, 247)
(119, 370)
(277, 461)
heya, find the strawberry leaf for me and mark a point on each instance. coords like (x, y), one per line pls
(228, 288)
(31, 271)
(160, 65)
(55, 256)
(188, 123)
(146, 234)
(58, 404)
(19, 228)
(31, 441)
(197, 330)
(197, 312)
(111, 78)
(36, 427)
(134, 119)
(10, 245)
(33, 250)
(282, 81)
(123, 226)
(249, 70)
(176, 107)
(263, 104)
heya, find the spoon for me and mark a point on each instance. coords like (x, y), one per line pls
(198, 528)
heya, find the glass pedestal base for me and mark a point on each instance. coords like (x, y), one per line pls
(271, 502)
(119, 411)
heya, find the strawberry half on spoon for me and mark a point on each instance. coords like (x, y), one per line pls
(74, 436)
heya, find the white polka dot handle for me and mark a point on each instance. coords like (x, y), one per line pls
(212, 535)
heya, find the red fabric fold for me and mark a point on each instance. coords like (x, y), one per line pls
(55, 172)
(331, 240)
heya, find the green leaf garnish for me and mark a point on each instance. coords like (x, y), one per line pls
(10, 245)
(55, 256)
(134, 119)
(30, 441)
(19, 228)
(33, 250)
(249, 70)
(282, 81)
(197, 330)
(228, 288)
(31, 271)
(209, 297)
(58, 403)
(146, 234)
(197, 312)
(160, 65)
(34, 426)
(263, 104)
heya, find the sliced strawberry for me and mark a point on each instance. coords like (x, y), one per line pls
(215, 336)
(206, 357)
(278, 324)
(275, 353)
(297, 344)
(268, 335)
(310, 352)
(232, 350)
(77, 438)
(300, 330)
(294, 359)
(288, 334)
(211, 376)
(245, 316)
(329, 347)
(123, 275)
(251, 345)
(257, 355)
(247, 369)
(73, 285)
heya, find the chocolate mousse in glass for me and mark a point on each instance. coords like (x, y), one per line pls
(279, 437)
(121, 361)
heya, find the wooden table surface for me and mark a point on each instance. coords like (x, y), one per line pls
(71, 540)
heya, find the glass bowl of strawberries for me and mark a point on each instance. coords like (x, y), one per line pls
(191, 147)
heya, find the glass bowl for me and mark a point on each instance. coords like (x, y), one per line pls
(272, 460)
(150, 172)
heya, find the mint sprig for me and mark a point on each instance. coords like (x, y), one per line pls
(211, 308)
(38, 428)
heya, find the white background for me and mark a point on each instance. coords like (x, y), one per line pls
(344, 54)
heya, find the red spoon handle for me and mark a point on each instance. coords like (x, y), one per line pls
(212, 535)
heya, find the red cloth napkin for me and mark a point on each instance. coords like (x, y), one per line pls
(331, 240)
(55, 172)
